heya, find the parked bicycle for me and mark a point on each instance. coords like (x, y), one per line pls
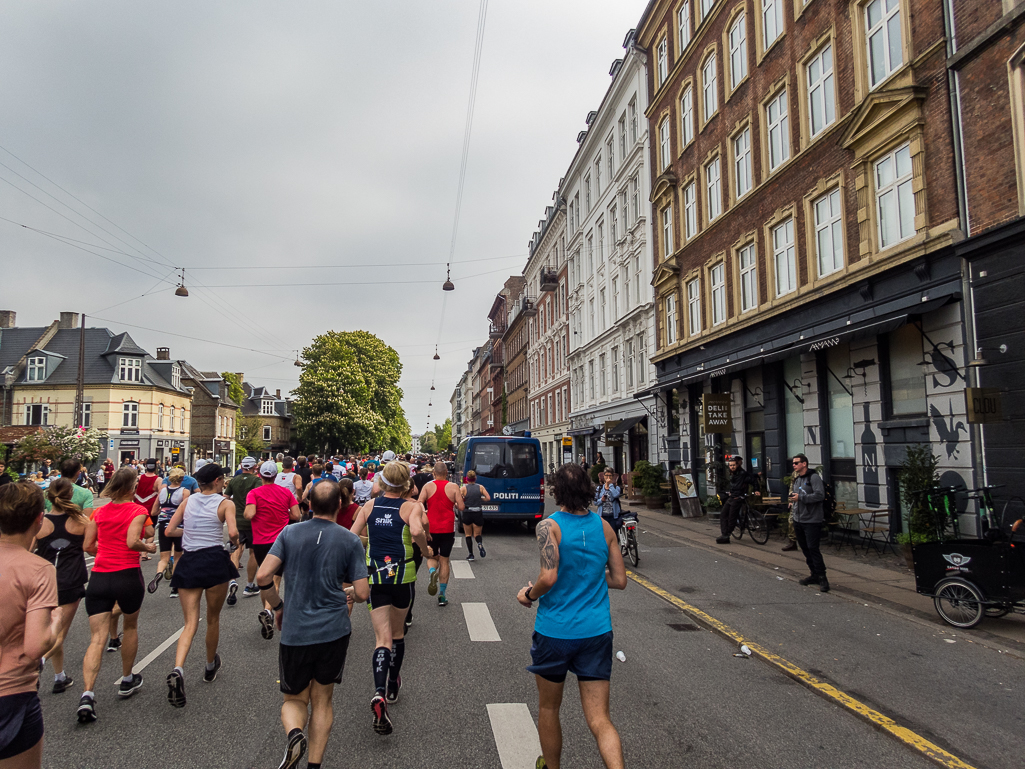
(754, 522)
(628, 538)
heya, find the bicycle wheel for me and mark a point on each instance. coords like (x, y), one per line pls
(997, 611)
(738, 529)
(623, 541)
(635, 555)
(758, 527)
(959, 603)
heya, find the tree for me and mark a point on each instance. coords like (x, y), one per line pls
(429, 443)
(443, 433)
(59, 443)
(348, 396)
(249, 434)
(235, 390)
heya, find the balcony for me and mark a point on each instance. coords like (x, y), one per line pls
(549, 280)
(497, 329)
(528, 307)
(497, 358)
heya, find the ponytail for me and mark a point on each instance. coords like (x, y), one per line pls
(60, 495)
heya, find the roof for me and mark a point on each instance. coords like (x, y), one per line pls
(254, 397)
(123, 344)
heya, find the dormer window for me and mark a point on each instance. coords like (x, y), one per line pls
(176, 377)
(129, 369)
(267, 408)
(36, 369)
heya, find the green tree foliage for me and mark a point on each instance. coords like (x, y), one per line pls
(249, 435)
(235, 391)
(429, 443)
(443, 434)
(59, 443)
(348, 396)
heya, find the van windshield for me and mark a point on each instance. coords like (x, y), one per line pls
(505, 460)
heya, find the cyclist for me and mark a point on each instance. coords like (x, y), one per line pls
(740, 479)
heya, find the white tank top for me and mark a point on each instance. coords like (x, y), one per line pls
(202, 527)
(285, 479)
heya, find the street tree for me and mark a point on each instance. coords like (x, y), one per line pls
(429, 443)
(249, 434)
(443, 434)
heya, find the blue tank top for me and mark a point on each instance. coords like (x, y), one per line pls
(390, 546)
(578, 605)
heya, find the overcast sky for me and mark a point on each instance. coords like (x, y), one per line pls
(257, 134)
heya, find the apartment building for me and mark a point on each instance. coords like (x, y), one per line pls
(274, 415)
(460, 401)
(214, 413)
(519, 307)
(609, 268)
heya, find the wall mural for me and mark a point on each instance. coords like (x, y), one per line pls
(946, 368)
(812, 437)
(948, 430)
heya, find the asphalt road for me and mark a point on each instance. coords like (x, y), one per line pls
(680, 699)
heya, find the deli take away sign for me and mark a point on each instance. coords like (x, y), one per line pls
(715, 410)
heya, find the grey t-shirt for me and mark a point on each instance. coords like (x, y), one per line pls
(318, 555)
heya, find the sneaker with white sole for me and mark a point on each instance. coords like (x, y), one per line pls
(209, 676)
(128, 688)
(155, 583)
(250, 590)
(294, 750)
(232, 593)
(432, 586)
(176, 689)
(86, 709)
(382, 723)
(266, 624)
(391, 694)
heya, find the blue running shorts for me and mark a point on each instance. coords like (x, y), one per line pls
(589, 659)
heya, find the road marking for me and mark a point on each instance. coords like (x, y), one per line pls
(515, 735)
(461, 570)
(145, 661)
(885, 724)
(479, 623)
(458, 543)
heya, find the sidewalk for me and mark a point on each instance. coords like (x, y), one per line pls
(884, 580)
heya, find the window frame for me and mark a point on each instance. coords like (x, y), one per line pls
(713, 198)
(35, 369)
(129, 370)
(668, 248)
(130, 415)
(810, 87)
(85, 416)
(694, 316)
(792, 271)
(670, 314)
(710, 57)
(737, 21)
(883, 26)
(684, 33)
(743, 130)
(895, 187)
(764, 44)
(687, 129)
(747, 275)
(665, 153)
(718, 306)
(783, 124)
(690, 210)
(834, 224)
(661, 62)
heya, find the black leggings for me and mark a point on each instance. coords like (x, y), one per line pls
(418, 558)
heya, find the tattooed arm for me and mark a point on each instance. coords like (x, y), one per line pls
(548, 538)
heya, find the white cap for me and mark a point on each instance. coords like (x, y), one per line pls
(388, 456)
(248, 463)
(202, 462)
(269, 469)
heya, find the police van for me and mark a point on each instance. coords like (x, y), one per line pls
(510, 468)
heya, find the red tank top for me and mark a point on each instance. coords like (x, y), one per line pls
(440, 510)
(144, 494)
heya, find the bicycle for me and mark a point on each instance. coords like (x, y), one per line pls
(754, 522)
(628, 538)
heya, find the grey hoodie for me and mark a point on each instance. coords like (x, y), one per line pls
(810, 494)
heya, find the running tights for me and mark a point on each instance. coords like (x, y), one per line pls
(382, 661)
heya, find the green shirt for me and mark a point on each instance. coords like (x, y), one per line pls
(80, 496)
(238, 489)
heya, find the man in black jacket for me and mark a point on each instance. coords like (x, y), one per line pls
(740, 479)
(807, 494)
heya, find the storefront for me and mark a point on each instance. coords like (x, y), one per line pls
(618, 432)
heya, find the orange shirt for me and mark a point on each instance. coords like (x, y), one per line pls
(28, 583)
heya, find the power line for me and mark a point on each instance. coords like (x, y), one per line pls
(369, 265)
(346, 282)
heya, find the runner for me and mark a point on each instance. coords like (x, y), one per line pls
(70, 469)
(573, 629)
(474, 495)
(117, 534)
(205, 566)
(148, 489)
(363, 488)
(30, 622)
(389, 553)
(59, 541)
(269, 508)
(170, 496)
(441, 499)
(349, 509)
(237, 490)
(290, 479)
(325, 570)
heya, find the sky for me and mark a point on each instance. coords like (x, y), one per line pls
(299, 160)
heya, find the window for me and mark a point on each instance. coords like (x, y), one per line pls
(37, 414)
(663, 144)
(828, 232)
(738, 51)
(130, 414)
(615, 299)
(576, 211)
(907, 385)
(626, 285)
(590, 254)
(601, 306)
(587, 192)
(590, 377)
(687, 116)
(176, 377)
(129, 369)
(690, 211)
(601, 245)
(694, 306)
(601, 374)
(642, 358)
(171, 424)
(885, 54)
(637, 279)
(709, 90)
(633, 122)
(267, 433)
(590, 303)
(895, 198)
(266, 407)
(670, 303)
(779, 139)
(634, 210)
(713, 187)
(821, 100)
(784, 257)
(772, 21)
(683, 25)
(622, 136)
(610, 156)
(706, 7)
(505, 460)
(613, 225)
(160, 417)
(662, 57)
(87, 415)
(628, 363)
(748, 278)
(597, 177)
(36, 369)
(742, 162)
(615, 369)
(717, 278)
(667, 232)
(183, 419)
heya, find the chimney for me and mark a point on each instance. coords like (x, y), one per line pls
(8, 318)
(277, 394)
(68, 320)
(241, 377)
(163, 353)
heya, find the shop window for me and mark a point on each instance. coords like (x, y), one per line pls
(840, 404)
(793, 406)
(907, 385)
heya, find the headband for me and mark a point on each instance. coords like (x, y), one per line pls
(386, 482)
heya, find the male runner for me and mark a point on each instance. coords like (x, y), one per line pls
(441, 499)
(289, 478)
(237, 490)
(324, 566)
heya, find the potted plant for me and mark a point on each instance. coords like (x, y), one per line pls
(918, 472)
(648, 479)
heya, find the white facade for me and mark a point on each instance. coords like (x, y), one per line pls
(461, 402)
(611, 320)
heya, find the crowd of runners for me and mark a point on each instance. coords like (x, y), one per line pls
(322, 535)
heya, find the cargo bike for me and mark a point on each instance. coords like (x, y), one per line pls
(970, 578)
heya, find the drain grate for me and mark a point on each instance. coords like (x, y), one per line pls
(682, 626)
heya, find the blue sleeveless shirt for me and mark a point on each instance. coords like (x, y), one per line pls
(578, 605)
(390, 544)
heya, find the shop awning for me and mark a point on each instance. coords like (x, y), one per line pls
(584, 431)
(624, 427)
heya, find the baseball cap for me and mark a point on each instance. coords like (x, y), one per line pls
(269, 469)
(388, 456)
(208, 473)
(151, 464)
(248, 463)
(202, 463)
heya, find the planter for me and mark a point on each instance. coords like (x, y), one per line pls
(655, 503)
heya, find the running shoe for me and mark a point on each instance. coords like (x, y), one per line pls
(59, 687)
(168, 569)
(250, 590)
(232, 593)
(128, 688)
(382, 724)
(176, 689)
(113, 644)
(432, 586)
(540, 763)
(211, 675)
(470, 557)
(266, 624)
(442, 600)
(483, 553)
(295, 749)
(173, 593)
(392, 692)
(86, 709)
(154, 583)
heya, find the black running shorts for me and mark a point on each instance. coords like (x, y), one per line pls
(442, 543)
(472, 517)
(21, 723)
(106, 588)
(167, 544)
(399, 596)
(323, 663)
(260, 551)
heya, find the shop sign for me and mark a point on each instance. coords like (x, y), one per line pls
(175, 453)
(715, 413)
(824, 344)
(129, 432)
(131, 443)
(612, 440)
(222, 447)
(983, 405)
(567, 441)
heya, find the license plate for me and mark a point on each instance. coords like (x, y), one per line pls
(489, 508)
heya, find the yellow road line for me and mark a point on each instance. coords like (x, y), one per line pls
(909, 738)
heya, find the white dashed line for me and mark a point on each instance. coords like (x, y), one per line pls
(462, 570)
(515, 735)
(479, 623)
(145, 661)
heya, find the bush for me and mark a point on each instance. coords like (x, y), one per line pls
(918, 472)
(648, 478)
